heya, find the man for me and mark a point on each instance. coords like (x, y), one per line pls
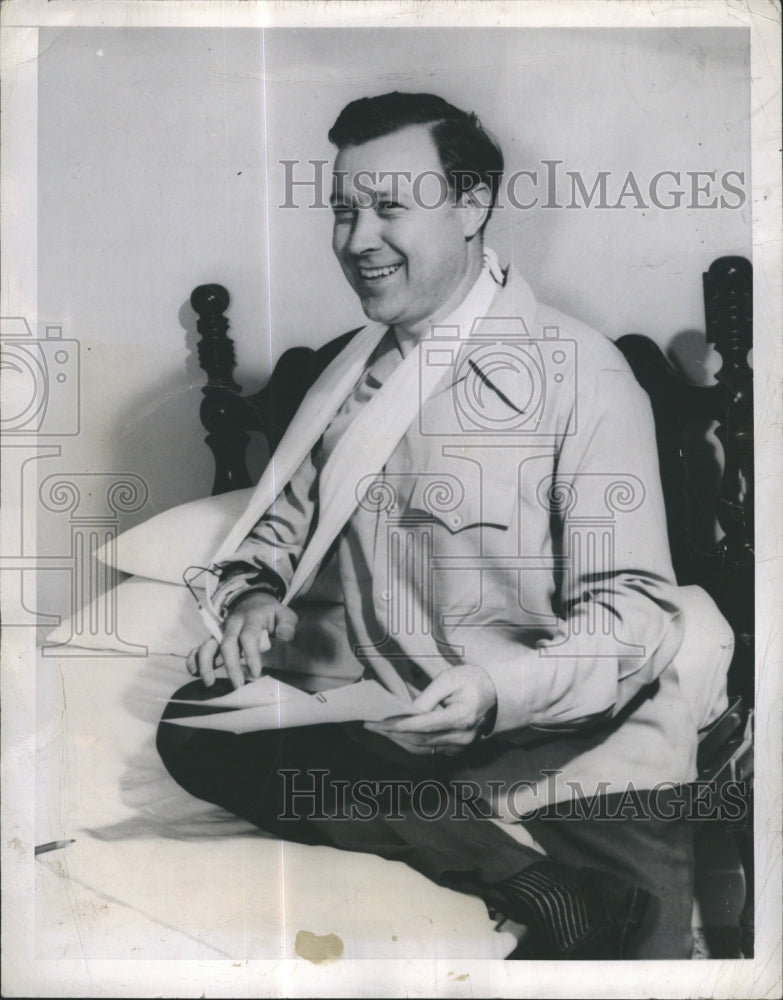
(489, 472)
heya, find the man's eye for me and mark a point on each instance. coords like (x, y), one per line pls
(389, 206)
(342, 214)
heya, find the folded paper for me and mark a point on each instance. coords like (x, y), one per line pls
(270, 704)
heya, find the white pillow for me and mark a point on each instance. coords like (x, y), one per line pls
(162, 547)
(157, 617)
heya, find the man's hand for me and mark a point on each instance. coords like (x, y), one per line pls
(454, 709)
(251, 621)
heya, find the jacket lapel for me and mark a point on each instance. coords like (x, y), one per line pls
(515, 302)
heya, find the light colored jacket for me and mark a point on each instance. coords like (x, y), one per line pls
(518, 525)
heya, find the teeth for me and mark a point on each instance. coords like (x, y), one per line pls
(378, 272)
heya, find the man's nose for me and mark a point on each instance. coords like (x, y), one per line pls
(365, 232)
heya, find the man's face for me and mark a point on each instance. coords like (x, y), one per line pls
(402, 258)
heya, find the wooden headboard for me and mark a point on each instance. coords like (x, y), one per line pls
(709, 492)
(709, 495)
(226, 414)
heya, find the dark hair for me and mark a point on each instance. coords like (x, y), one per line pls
(468, 153)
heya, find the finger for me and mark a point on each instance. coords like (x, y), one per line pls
(287, 620)
(264, 643)
(408, 738)
(437, 691)
(229, 649)
(457, 739)
(413, 743)
(191, 663)
(252, 646)
(443, 744)
(449, 751)
(410, 745)
(205, 658)
(233, 626)
(437, 721)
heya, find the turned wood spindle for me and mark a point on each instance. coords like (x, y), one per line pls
(222, 400)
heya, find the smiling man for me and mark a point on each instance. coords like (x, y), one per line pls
(482, 514)
(408, 252)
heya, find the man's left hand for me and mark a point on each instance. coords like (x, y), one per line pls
(453, 711)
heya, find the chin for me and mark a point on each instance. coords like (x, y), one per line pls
(379, 313)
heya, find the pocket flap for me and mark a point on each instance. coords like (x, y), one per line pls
(464, 501)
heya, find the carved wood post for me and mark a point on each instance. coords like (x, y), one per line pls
(728, 307)
(221, 393)
(728, 303)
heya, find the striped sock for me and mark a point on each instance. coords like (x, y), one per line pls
(540, 894)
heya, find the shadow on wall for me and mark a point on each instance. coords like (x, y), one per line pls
(158, 442)
(162, 433)
(159, 433)
(693, 358)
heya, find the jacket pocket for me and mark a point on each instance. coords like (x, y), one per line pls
(461, 502)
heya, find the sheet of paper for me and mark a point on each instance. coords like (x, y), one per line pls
(366, 701)
(264, 691)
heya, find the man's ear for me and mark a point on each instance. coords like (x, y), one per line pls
(474, 206)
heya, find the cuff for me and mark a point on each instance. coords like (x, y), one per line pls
(550, 687)
(237, 579)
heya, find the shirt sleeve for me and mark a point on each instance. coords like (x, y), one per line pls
(267, 558)
(619, 623)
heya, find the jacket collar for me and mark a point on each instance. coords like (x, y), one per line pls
(513, 314)
(516, 300)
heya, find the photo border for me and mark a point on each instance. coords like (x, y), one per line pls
(23, 973)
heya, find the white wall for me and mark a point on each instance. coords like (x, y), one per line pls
(159, 169)
(641, 101)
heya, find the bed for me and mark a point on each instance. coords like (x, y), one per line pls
(146, 871)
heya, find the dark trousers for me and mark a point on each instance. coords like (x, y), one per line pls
(323, 785)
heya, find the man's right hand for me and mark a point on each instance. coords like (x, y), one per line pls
(252, 620)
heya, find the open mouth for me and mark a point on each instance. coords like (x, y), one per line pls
(376, 273)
